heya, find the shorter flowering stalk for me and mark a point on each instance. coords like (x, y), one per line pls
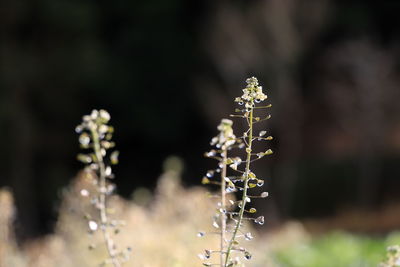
(223, 143)
(95, 137)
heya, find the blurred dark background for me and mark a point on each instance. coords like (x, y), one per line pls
(167, 71)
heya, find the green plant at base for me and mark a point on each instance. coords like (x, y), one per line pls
(95, 137)
(252, 95)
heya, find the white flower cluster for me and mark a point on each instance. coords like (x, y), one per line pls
(94, 126)
(252, 93)
(97, 120)
(225, 138)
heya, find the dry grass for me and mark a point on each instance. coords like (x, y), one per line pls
(161, 231)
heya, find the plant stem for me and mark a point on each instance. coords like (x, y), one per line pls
(103, 203)
(223, 206)
(245, 187)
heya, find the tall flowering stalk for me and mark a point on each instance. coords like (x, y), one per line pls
(252, 95)
(95, 138)
(231, 216)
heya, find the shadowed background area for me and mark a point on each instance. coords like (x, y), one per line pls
(168, 71)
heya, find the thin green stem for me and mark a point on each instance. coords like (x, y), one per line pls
(245, 187)
(102, 198)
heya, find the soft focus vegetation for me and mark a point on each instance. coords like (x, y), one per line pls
(336, 250)
(161, 231)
